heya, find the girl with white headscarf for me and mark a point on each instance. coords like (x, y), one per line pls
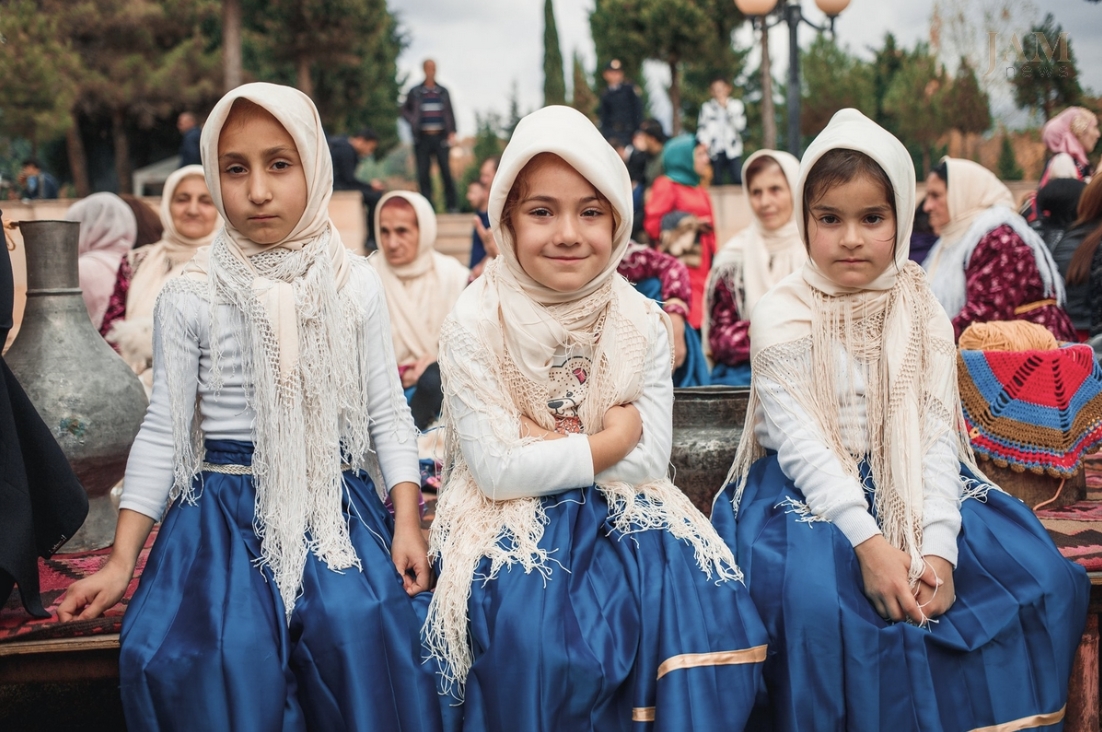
(751, 263)
(988, 265)
(107, 232)
(579, 588)
(846, 501)
(277, 593)
(145, 270)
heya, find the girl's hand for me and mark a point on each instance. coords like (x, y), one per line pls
(884, 571)
(934, 604)
(90, 597)
(409, 550)
(626, 423)
(680, 348)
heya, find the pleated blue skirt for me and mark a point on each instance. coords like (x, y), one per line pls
(627, 633)
(725, 374)
(206, 645)
(1001, 655)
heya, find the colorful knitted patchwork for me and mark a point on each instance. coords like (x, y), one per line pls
(1033, 410)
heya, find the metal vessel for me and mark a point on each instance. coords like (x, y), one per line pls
(707, 426)
(87, 395)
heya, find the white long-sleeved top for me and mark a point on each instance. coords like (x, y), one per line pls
(226, 415)
(552, 466)
(784, 426)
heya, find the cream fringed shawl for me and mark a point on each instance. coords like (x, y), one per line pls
(894, 331)
(304, 361)
(420, 294)
(510, 326)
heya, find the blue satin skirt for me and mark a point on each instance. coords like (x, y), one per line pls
(206, 644)
(606, 642)
(694, 370)
(1001, 655)
(725, 374)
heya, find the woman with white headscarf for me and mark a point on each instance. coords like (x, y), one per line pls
(107, 232)
(421, 287)
(579, 589)
(751, 263)
(988, 265)
(276, 596)
(894, 599)
(189, 219)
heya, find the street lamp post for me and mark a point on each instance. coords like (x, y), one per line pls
(788, 11)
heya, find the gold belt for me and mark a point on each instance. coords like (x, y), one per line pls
(1030, 306)
(247, 469)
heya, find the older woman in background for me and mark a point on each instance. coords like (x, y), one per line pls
(107, 232)
(1070, 137)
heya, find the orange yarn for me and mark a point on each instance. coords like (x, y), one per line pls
(1007, 335)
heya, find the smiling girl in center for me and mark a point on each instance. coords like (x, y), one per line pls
(579, 589)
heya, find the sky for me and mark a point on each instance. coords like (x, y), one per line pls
(483, 47)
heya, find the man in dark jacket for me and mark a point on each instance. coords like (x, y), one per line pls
(428, 110)
(37, 183)
(347, 153)
(621, 109)
(188, 126)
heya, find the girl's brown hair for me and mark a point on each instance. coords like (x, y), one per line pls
(838, 167)
(1090, 209)
(520, 189)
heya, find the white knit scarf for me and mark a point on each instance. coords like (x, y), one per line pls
(107, 232)
(509, 326)
(978, 203)
(894, 332)
(419, 295)
(304, 359)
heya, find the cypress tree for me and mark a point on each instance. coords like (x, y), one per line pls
(1007, 167)
(554, 83)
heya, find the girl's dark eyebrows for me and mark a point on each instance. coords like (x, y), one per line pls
(279, 150)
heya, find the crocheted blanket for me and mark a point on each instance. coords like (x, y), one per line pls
(1033, 410)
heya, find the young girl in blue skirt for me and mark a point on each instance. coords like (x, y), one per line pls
(900, 591)
(579, 589)
(277, 594)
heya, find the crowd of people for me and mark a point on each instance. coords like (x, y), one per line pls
(857, 572)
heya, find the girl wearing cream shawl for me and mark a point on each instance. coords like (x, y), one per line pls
(189, 220)
(421, 287)
(107, 232)
(988, 264)
(275, 596)
(751, 263)
(579, 589)
(891, 602)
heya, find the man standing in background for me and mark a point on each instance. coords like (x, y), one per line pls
(37, 183)
(189, 127)
(621, 109)
(428, 110)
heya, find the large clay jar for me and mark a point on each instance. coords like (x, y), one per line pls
(85, 392)
(707, 426)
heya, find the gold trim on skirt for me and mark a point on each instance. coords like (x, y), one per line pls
(717, 658)
(1030, 722)
(642, 714)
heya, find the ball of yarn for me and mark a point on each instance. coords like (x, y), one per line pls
(1007, 335)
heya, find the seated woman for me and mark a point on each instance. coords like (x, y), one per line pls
(988, 264)
(900, 591)
(107, 232)
(189, 218)
(421, 286)
(751, 263)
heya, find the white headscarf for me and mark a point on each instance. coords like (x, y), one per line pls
(419, 295)
(108, 230)
(756, 259)
(978, 203)
(893, 330)
(508, 325)
(300, 333)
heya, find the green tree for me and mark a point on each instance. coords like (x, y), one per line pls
(690, 35)
(915, 102)
(583, 97)
(886, 63)
(1007, 167)
(967, 107)
(1047, 78)
(554, 83)
(833, 79)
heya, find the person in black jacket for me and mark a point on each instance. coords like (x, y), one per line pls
(347, 153)
(428, 110)
(189, 127)
(621, 109)
(1057, 203)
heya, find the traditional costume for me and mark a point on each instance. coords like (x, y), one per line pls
(854, 429)
(988, 264)
(568, 600)
(747, 267)
(270, 600)
(142, 275)
(419, 295)
(107, 232)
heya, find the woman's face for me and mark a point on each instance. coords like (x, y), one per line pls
(937, 203)
(702, 164)
(192, 209)
(1089, 136)
(770, 198)
(563, 228)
